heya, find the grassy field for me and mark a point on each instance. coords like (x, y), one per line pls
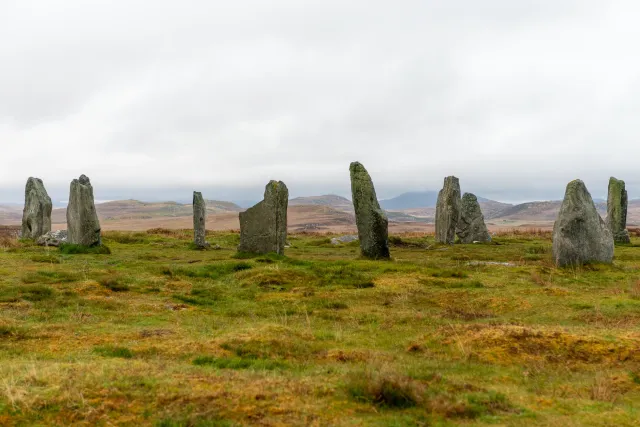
(158, 334)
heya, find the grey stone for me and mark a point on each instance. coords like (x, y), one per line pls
(83, 225)
(263, 228)
(343, 239)
(448, 210)
(579, 234)
(36, 216)
(471, 227)
(199, 218)
(617, 211)
(372, 223)
(52, 238)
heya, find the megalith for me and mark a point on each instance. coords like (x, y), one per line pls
(199, 218)
(580, 236)
(617, 211)
(448, 210)
(83, 226)
(36, 216)
(471, 227)
(372, 223)
(263, 227)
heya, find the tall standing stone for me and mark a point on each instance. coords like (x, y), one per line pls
(263, 228)
(471, 227)
(448, 210)
(617, 211)
(199, 218)
(83, 226)
(36, 217)
(579, 234)
(372, 223)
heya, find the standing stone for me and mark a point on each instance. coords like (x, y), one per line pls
(448, 210)
(83, 226)
(263, 228)
(199, 216)
(471, 227)
(617, 211)
(36, 217)
(579, 234)
(372, 223)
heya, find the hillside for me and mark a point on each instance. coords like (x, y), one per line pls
(411, 200)
(336, 202)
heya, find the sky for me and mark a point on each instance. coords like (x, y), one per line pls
(153, 100)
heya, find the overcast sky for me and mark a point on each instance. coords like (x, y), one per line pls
(153, 99)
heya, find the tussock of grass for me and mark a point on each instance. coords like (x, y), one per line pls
(215, 270)
(50, 276)
(125, 238)
(114, 283)
(114, 351)
(73, 249)
(46, 259)
(239, 363)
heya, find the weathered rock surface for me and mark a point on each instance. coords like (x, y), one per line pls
(263, 228)
(579, 234)
(471, 227)
(83, 226)
(52, 238)
(199, 218)
(36, 216)
(372, 223)
(448, 210)
(617, 211)
(343, 239)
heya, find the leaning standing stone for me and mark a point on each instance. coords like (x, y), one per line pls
(36, 217)
(263, 228)
(83, 225)
(580, 236)
(199, 216)
(372, 223)
(617, 211)
(448, 210)
(471, 227)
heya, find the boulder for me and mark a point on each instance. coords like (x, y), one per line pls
(343, 239)
(83, 225)
(448, 210)
(36, 216)
(263, 227)
(580, 236)
(617, 211)
(371, 220)
(199, 217)
(52, 238)
(471, 227)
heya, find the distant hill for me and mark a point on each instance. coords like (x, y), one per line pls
(10, 214)
(337, 202)
(411, 200)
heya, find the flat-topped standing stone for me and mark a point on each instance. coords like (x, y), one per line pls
(36, 217)
(263, 228)
(617, 211)
(372, 223)
(579, 234)
(448, 210)
(199, 218)
(471, 227)
(83, 226)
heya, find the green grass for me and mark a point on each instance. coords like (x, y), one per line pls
(158, 334)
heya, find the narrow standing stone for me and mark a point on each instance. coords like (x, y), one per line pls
(471, 227)
(580, 236)
(83, 225)
(372, 223)
(36, 216)
(263, 227)
(448, 210)
(199, 218)
(617, 211)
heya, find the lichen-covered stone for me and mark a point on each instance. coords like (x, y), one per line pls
(83, 225)
(372, 223)
(448, 210)
(199, 218)
(580, 236)
(52, 238)
(263, 228)
(471, 227)
(617, 211)
(36, 217)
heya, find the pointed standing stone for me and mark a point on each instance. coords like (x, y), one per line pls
(448, 210)
(371, 221)
(471, 227)
(617, 211)
(263, 228)
(199, 218)
(83, 225)
(36, 216)
(579, 234)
